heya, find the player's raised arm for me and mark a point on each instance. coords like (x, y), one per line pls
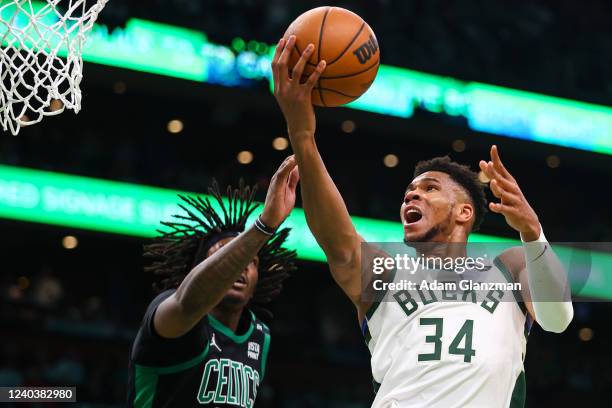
(544, 280)
(326, 213)
(208, 282)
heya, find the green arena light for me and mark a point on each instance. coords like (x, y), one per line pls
(129, 209)
(238, 44)
(262, 48)
(252, 45)
(183, 53)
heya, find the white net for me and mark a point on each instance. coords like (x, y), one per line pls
(40, 57)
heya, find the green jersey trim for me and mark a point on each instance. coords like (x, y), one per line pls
(146, 378)
(145, 384)
(520, 392)
(367, 336)
(382, 294)
(376, 386)
(217, 325)
(371, 310)
(517, 294)
(264, 354)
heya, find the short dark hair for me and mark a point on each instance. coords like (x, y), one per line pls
(462, 175)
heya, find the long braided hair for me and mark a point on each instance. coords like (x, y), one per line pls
(187, 238)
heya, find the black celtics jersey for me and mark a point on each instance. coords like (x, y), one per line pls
(208, 366)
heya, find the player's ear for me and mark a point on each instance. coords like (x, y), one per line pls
(465, 213)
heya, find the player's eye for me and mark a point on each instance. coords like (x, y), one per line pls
(432, 188)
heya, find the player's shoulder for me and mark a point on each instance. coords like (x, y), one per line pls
(512, 259)
(147, 325)
(164, 294)
(159, 298)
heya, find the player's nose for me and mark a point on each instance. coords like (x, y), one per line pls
(411, 196)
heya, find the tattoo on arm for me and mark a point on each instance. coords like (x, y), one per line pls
(207, 283)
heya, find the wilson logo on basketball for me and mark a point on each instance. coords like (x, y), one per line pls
(366, 50)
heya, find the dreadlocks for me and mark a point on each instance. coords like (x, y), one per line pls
(191, 234)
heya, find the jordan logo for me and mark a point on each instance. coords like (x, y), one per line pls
(214, 343)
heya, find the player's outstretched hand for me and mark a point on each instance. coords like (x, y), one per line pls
(513, 205)
(292, 91)
(280, 199)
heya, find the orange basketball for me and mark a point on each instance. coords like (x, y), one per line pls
(348, 46)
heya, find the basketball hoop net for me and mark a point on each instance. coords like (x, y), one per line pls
(40, 57)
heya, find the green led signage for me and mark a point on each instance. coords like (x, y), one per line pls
(187, 54)
(136, 210)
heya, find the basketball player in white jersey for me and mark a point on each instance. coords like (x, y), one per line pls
(432, 353)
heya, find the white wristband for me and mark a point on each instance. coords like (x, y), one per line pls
(535, 249)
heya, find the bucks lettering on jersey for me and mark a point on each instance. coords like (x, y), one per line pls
(227, 372)
(438, 349)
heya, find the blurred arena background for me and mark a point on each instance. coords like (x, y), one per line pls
(173, 108)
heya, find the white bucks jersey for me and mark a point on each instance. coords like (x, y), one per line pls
(431, 352)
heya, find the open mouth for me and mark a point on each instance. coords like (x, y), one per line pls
(240, 283)
(412, 215)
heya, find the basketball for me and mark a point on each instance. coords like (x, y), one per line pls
(232, 158)
(348, 46)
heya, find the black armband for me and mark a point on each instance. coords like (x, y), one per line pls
(259, 224)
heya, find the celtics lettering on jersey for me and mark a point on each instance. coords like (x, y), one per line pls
(228, 382)
(217, 366)
(235, 366)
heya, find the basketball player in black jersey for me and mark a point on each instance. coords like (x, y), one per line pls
(200, 342)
